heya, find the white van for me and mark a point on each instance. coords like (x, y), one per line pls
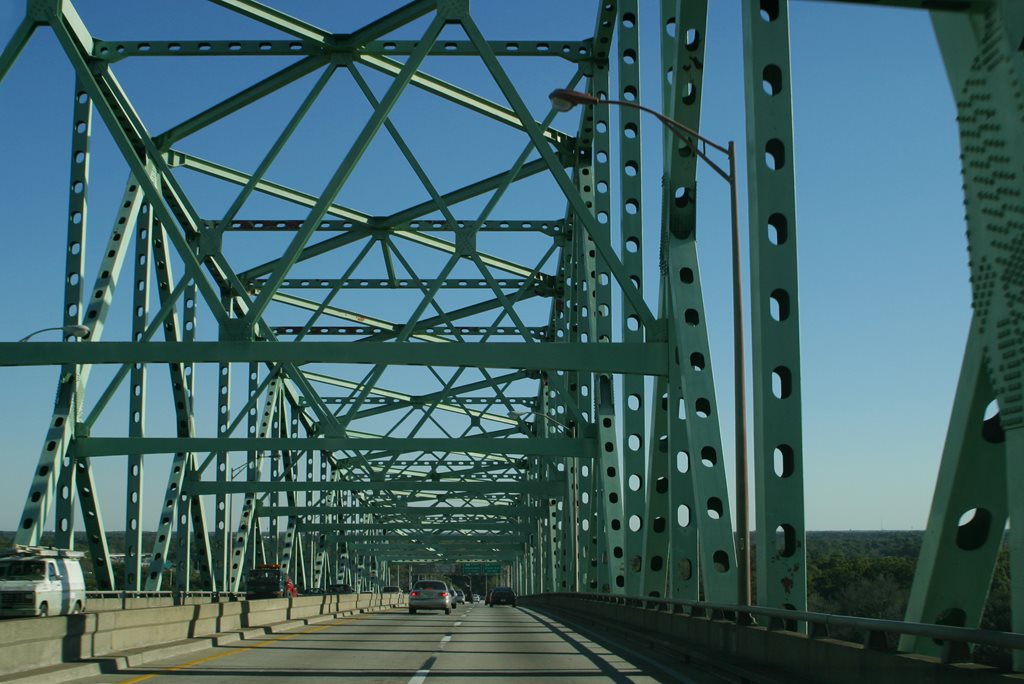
(36, 580)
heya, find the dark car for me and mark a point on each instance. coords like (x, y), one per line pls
(501, 596)
(339, 589)
(269, 581)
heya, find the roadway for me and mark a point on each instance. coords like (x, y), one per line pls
(473, 644)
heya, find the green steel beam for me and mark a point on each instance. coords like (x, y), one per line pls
(600, 506)
(380, 27)
(409, 400)
(115, 50)
(957, 559)
(614, 357)
(633, 447)
(239, 101)
(275, 19)
(453, 249)
(775, 311)
(570, 50)
(95, 531)
(398, 219)
(482, 487)
(371, 541)
(461, 97)
(224, 173)
(17, 43)
(412, 529)
(78, 191)
(183, 462)
(248, 523)
(405, 511)
(670, 549)
(113, 446)
(453, 315)
(389, 404)
(138, 390)
(344, 314)
(467, 555)
(401, 284)
(434, 542)
(550, 227)
(534, 332)
(967, 524)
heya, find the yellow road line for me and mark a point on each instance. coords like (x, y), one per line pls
(233, 651)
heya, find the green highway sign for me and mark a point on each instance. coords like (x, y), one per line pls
(481, 568)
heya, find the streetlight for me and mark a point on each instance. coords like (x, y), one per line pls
(75, 330)
(563, 100)
(571, 431)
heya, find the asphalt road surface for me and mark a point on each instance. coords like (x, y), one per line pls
(474, 644)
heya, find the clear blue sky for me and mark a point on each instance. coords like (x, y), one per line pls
(884, 281)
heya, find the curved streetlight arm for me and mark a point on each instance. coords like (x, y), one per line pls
(564, 100)
(78, 331)
(683, 132)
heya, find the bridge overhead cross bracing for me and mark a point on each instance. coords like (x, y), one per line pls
(353, 293)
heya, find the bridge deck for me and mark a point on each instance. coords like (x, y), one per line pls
(475, 643)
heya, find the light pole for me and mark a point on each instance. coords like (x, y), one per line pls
(73, 330)
(563, 100)
(571, 431)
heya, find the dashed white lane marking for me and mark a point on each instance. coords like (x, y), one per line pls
(421, 675)
(458, 623)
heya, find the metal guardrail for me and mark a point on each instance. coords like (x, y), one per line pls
(954, 639)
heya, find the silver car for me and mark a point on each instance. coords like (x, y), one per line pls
(430, 595)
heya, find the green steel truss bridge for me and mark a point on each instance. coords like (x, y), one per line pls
(461, 378)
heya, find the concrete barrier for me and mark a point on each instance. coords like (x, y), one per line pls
(35, 643)
(790, 656)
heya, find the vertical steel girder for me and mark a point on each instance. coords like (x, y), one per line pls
(634, 482)
(174, 496)
(73, 297)
(672, 558)
(222, 523)
(137, 405)
(607, 562)
(778, 438)
(248, 521)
